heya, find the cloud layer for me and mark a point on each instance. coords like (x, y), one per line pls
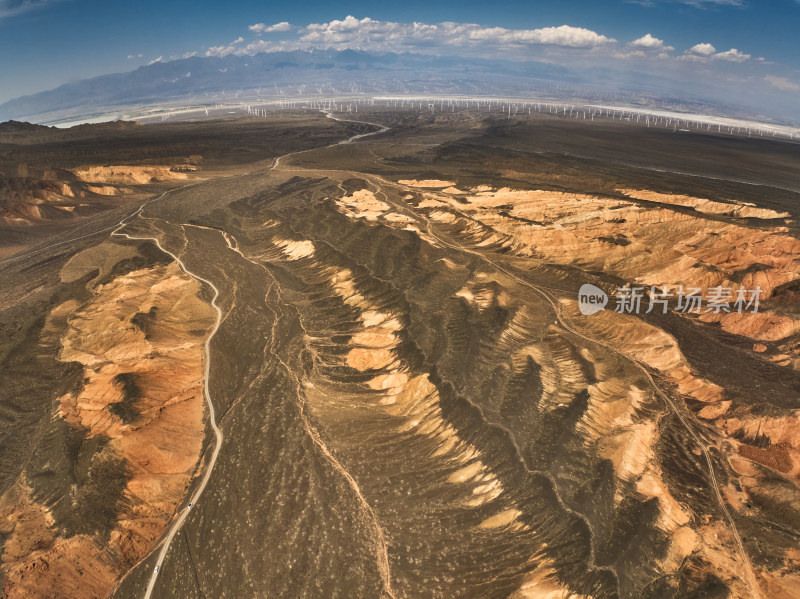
(576, 45)
(368, 32)
(390, 36)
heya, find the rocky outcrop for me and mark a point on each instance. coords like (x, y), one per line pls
(648, 244)
(133, 175)
(139, 340)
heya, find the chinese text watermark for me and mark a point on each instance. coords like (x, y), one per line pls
(686, 300)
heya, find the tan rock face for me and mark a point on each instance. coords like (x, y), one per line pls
(140, 340)
(38, 562)
(735, 209)
(649, 244)
(653, 239)
(24, 200)
(362, 204)
(132, 175)
(35, 195)
(430, 183)
(106, 190)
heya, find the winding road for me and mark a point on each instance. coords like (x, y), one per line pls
(218, 435)
(212, 417)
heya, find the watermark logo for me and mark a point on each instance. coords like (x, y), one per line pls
(690, 300)
(591, 299)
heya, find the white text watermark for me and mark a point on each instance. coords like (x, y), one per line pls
(686, 300)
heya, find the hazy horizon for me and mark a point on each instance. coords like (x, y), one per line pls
(712, 47)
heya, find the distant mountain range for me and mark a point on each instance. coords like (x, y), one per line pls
(326, 73)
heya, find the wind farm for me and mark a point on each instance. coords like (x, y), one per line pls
(675, 119)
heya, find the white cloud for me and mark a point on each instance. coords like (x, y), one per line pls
(132, 56)
(225, 49)
(366, 31)
(648, 41)
(702, 49)
(371, 34)
(706, 52)
(782, 83)
(155, 60)
(732, 55)
(565, 35)
(262, 28)
(571, 37)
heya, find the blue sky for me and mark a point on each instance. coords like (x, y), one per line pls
(44, 43)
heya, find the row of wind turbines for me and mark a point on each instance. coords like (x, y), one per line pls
(515, 108)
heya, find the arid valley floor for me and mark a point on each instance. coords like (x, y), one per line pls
(407, 401)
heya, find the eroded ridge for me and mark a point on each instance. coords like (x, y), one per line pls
(458, 489)
(580, 226)
(645, 480)
(137, 418)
